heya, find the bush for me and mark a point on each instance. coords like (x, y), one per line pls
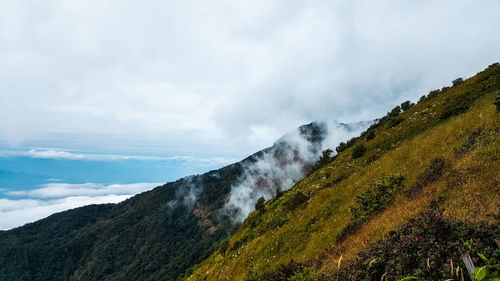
(424, 248)
(434, 93)
(260, 205)
(359, 151)
(296, 200)
(458, 81)
(324, 159)
(284, 272)
(371, 202)
(406, 105)
(470, 143)
(393, 122)
(370, 135)
(394, 112)
(377, 198)
(459, 104)
(341, 147)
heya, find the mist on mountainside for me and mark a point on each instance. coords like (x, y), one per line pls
(290, 158)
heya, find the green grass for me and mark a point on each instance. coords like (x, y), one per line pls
(307, 231)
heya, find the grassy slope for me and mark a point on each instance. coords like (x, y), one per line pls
(470, 187)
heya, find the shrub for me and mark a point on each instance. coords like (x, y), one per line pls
(359, 151)
(458, 81)
(394, 112)
(351, 142)
(406, 105)
(341, 147)
(260, 205)
(470, 143)
(459, 104)
(284, 272)
(393, 122)
(424, 248)
(307, 274)
(370, 135)
(377, 198)
(325, 158)
(296, 200)
(434, 93)
(371, 202)
(279, 192)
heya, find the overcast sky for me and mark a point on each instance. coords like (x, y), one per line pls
(223, 77)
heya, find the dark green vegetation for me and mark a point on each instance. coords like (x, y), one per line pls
(428, 248)
(371, 202)
(155, 235)
(403, 199)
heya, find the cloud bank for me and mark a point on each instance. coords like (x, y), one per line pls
(20, 207)
(227, 77)
(62, 154)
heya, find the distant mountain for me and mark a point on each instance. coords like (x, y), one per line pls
(159, 234)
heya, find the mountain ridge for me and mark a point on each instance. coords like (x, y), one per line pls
(444, 150)
(157, 234)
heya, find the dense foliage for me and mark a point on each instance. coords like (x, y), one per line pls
(155, 235)
(446, 146)
(428, 248)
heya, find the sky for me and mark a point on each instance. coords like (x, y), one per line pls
(118, 84)
(223, 78)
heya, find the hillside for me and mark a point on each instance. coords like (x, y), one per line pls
(404, 198)
(159, 234)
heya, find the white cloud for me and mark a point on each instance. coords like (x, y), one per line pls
(55, 154)
(57, 197)
(61, 154)
(222, 76)
(15, 213)
(60, 190)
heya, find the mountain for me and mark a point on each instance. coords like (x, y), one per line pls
(406, 198)
(159, 234)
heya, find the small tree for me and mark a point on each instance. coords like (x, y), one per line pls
(458, 81)
(326, 157)
(395, 111)
(341, 147)
(279, 192)
(259, 206)
(406, 105)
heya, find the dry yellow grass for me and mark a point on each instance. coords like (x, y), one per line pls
(469, 189)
